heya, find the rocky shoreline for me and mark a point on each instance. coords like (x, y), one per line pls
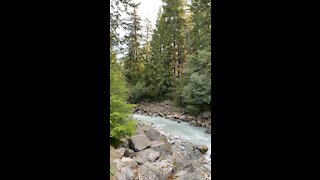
(156, 155)
(167, 110)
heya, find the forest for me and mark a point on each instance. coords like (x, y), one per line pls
(169, 62)
(172, 61)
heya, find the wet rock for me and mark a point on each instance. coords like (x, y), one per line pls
(139, 142)
(152, 134)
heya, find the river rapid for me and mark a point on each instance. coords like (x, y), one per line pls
(188, 132)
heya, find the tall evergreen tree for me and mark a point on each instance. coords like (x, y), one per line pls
(120, 124)
(173, 21)
(133, 62)
(201, 21)
(168, 49)
(147, 34)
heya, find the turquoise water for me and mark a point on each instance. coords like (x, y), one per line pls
(195, 135)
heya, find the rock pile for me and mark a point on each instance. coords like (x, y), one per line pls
(151, 154)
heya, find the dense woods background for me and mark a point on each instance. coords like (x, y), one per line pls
(170, 62)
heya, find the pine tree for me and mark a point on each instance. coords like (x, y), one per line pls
(133, 61)
(168, 49)
(201, 21)
(147, 34)
(120, 124)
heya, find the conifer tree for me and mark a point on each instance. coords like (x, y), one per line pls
(133, 62)
(120, 124)
(201, 21)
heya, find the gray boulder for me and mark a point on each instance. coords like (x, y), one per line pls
(158, 170)
(143, 128)
(153, 134)
(125, 174)
(147, 171)
(126, 162)
(139, 142)
(146, 155)
(164, 148)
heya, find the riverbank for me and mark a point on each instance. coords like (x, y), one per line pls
(168, 110)
(156, 155)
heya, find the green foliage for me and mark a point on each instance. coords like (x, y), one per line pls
(139, 92)
(200, 35)
(195, 92)
(133, 60)
(168, 50)
(120, 124)
(172, 62)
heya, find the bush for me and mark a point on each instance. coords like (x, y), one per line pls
(138, 92)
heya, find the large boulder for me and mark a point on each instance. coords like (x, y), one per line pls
(126, 162)
(158, 170)
(152, 134)
(139, 142)
(147, 171)
(146, 155)
(163, 147)
(125, 173)
(143, 128)
(129, 162)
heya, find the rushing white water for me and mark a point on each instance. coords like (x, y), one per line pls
(195, 135)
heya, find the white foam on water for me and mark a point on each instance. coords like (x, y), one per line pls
(195, 135)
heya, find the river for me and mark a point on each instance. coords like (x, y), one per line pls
(185, 130)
